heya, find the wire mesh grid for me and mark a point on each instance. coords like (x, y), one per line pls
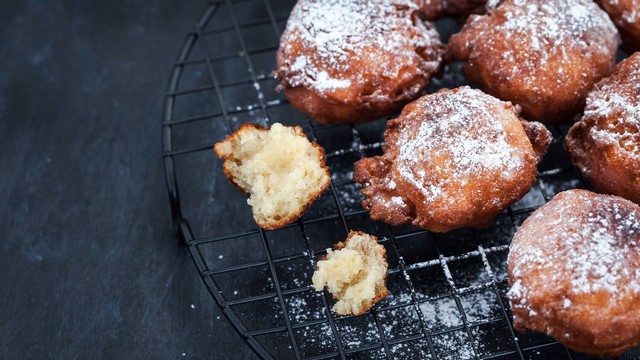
(448, 291)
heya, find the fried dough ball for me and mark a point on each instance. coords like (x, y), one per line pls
(356, 60)
(455, 158)
(544, 55)
(626, 15)
(574, 272)
(605, 143)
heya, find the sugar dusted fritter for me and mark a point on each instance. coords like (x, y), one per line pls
(544, 55)
(574, 272)
(605, 143)
(356, 60)
(453, 159)
(626, 15)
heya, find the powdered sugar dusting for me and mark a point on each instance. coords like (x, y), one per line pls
(324, 81)
(629, 138)
(453, 345)
(625, 13)
(588, 240)
(542, 33)
(331, 32)
(547, 26)
(441, 314)
(461, 132)
(492, 4)
(632, 15)
(617, 99)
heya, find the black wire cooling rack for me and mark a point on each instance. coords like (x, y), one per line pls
(447, 290)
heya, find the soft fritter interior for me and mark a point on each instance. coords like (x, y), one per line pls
(354, 274)
(279, 169)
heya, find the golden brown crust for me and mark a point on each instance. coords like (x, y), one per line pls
(350, 106)
(539, 137)
(605, 143)
(380, 293)
(458, 9)
(453, 159)
(544, 56)
(373, 174)
(272, 225)
(354, 61)
(573, 272)
(626, 15)
(379, 296)
(432, 9)
(463, 8)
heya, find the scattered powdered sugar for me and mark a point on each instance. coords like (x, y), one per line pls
(324, 37)
(359, 334)
(462, 130)
(441, 314)
(481, 305)
(590, 241)
(354, 332)
(411, 350)
(453, 345)
(350, 197)
(303, 307)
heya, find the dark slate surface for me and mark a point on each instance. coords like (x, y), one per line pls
(90, 268)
